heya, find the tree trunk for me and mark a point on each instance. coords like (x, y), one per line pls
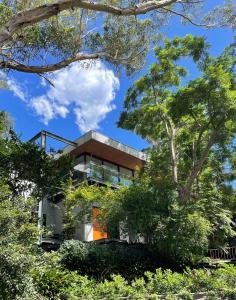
(185, 192)
(173, 155)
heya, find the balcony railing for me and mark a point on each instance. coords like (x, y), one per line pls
(104, 174)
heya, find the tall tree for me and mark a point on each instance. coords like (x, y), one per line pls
(188, 122)
(44, 36)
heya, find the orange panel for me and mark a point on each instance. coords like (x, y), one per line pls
(99, 232)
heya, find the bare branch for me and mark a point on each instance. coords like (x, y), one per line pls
(17, 66)
(48, 80)
(14, 65)
(186, 18)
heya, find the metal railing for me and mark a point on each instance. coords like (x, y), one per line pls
(228, 253)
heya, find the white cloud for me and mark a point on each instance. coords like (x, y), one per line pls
(14, 86)
(88, 92)
(16, 89)
(46, 110)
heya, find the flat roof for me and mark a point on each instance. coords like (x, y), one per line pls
(104, 147)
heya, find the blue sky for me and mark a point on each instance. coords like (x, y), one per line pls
(97, 87)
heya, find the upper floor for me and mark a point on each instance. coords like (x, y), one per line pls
(104, 160)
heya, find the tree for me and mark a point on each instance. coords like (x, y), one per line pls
(28, 169)
(150, 211)
(37, 38)
(25, 170)
(187, 124)
(18, 238)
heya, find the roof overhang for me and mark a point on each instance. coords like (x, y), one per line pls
(108, 149)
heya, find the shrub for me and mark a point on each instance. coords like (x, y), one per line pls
(102, 260)
(49, 277)
(15, 278)
(55, 283)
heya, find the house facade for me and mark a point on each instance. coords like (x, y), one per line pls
(98, 160)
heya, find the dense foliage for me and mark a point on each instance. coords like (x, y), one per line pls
(119, 31)
(28, 169)
(23, 169)
(101, 261)
(53, 282)
(178, 234)
(181, 203)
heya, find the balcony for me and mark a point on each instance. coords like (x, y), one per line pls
(104, 175)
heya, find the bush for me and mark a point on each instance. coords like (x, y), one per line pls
(158, 285)
(48, 276)
(55, 283)
(15, 278)
(102, 260)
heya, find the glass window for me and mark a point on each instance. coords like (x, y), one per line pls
(126, 172)
(125, 176)
(110, 166)
(79, 163)
(95, 160)
(110, 172)
(95, 167)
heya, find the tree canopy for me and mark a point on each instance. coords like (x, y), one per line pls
(44, 36)
(191, 124)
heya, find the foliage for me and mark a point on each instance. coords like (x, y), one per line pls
(15, 264)
(74, 31)
(189, 123)
(100, 261)
(21, 167)
(18, 235)
(178, 233)
(77, 205)
(215, 284)
(223, 16)
(48, 277)
(28, 169)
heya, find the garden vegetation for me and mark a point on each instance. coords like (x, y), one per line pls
(182, 202)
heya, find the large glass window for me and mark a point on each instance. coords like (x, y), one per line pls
(104, 171)
(126, 172)
(125, 176)
(95, 167)
(95, 160)
(111, 172)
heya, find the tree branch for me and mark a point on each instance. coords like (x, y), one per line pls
(186, 18)
(35, 15)
(186, 190)
(14, 65)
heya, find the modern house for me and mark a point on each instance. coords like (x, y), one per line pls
(98, 160)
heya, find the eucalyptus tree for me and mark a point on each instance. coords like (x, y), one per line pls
(187, 122)
(44, 36)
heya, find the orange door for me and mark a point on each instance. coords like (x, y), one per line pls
(99, 232)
